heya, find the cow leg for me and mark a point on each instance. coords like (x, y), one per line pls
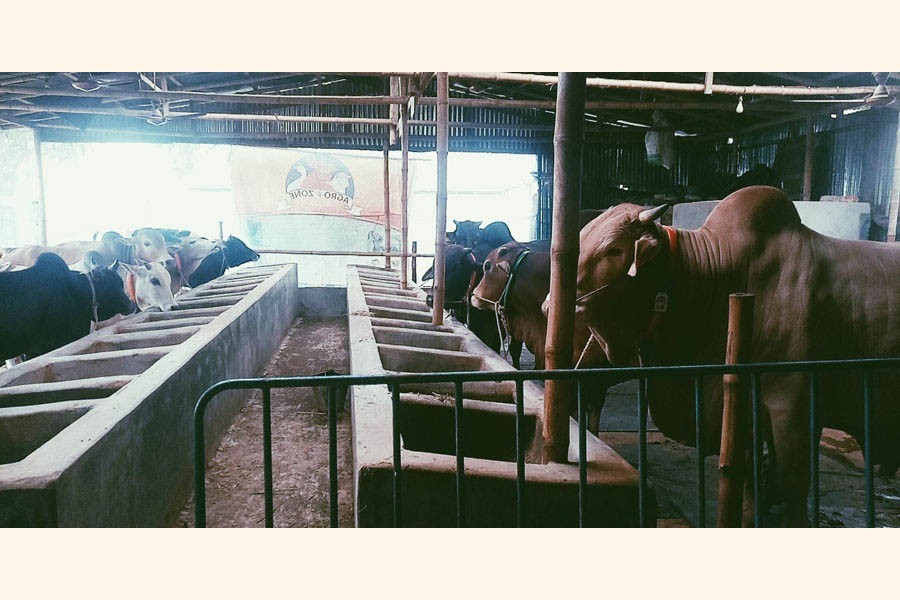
(790, 432)
(515, 352)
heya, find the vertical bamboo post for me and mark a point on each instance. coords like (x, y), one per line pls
(440, 221)
(735, 421)
(568, 142)
(808, 164)
(221, 233)
(394, 110)
(415, 275)
(387, 201)
(404, 183)
(42, 198)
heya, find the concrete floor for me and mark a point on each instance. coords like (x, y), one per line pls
(299, 443)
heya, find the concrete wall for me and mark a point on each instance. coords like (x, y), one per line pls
(844, 220)
(322, 302)
(126, 461)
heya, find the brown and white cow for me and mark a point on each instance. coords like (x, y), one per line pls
(816, 298)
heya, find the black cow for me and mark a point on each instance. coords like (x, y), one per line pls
(233, 253)
(465, 234)
(461, 264)
(48, 306)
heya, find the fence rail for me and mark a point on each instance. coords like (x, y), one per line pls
(642, 374)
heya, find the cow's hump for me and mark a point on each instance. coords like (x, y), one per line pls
(761, 209)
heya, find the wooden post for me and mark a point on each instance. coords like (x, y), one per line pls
(894, 205)
(387, 202)
(808, 165)
(221, 233)
(42, 198)
(735, 412)
(394, 110)
(568, 142)
(404, 184)
(440, 221)
(415, 276)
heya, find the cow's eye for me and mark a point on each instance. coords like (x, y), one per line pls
(614, 252)
(193, 242)
(146, 243)
(155, 281)
(487, 266)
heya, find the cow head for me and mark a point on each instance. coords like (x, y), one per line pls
(497, 270)
(237, 252)
(148, 285)
(191, 252)
(110, 291)
(148, 245)
(459, 266)
(617, 280)
(465, 234)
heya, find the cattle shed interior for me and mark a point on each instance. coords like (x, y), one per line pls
(649, 138)
(755, 125)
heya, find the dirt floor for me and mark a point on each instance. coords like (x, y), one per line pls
(300, 454)
(299, 443)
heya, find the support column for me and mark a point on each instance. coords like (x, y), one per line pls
(41, 203)
(404, 182)
(808, 164)
(568, 143)
(387, 200)
(894, 206)
(440, 221)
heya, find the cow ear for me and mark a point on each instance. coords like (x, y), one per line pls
(645, 248)
(455, 222)
(478, 223)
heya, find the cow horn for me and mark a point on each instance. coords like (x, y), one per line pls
(652, 214)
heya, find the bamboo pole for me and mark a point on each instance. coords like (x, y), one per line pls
(666, 86)
(42, 198)
(387, 201)
(568, 143)
(404, 184)
(735, 413)
(394, 111)
(440, 221)
(146, 114)
(344, 253)
(593, 105)
(175, 96)
(415, 248)
(808, 163)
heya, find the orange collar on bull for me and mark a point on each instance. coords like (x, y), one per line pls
(129, 287)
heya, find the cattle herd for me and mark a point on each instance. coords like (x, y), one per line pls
(51, 295)
(649, 294)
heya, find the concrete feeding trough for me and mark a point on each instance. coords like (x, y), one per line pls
(99, 433)
(391, 332)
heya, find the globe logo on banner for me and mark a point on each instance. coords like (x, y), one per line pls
(315, 178)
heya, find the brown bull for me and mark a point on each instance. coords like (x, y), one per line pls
(816, 298)
(516, 281)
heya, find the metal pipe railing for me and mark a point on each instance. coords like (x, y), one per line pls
(697, 372)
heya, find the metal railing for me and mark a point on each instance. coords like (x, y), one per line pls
(611, 375)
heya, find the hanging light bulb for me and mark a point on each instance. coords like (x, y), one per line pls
(740, 105)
